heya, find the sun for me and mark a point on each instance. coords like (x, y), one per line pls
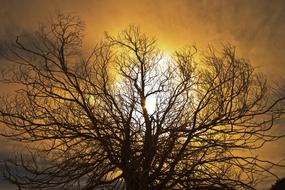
(151, 104)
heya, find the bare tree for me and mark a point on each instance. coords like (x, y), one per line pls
(93, 127)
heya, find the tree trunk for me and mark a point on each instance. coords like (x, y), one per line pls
(135, 183)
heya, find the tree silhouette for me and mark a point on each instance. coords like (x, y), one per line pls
(92, 126)
(278, 185)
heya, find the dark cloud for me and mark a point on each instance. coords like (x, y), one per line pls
(7, 151)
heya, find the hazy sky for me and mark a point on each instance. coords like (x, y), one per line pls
(255, 27)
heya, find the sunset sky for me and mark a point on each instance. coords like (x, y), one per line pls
(256, 28)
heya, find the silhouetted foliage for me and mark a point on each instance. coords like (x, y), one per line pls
(92, 127)
(279, 185)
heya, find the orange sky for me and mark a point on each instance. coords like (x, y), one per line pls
(256, 27)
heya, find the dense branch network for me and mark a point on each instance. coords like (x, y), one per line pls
(90, 114)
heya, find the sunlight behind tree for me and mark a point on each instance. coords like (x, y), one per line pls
(130, 117)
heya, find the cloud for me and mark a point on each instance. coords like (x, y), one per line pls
(256, 27)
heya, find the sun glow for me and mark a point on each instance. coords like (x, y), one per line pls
(151, 101)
